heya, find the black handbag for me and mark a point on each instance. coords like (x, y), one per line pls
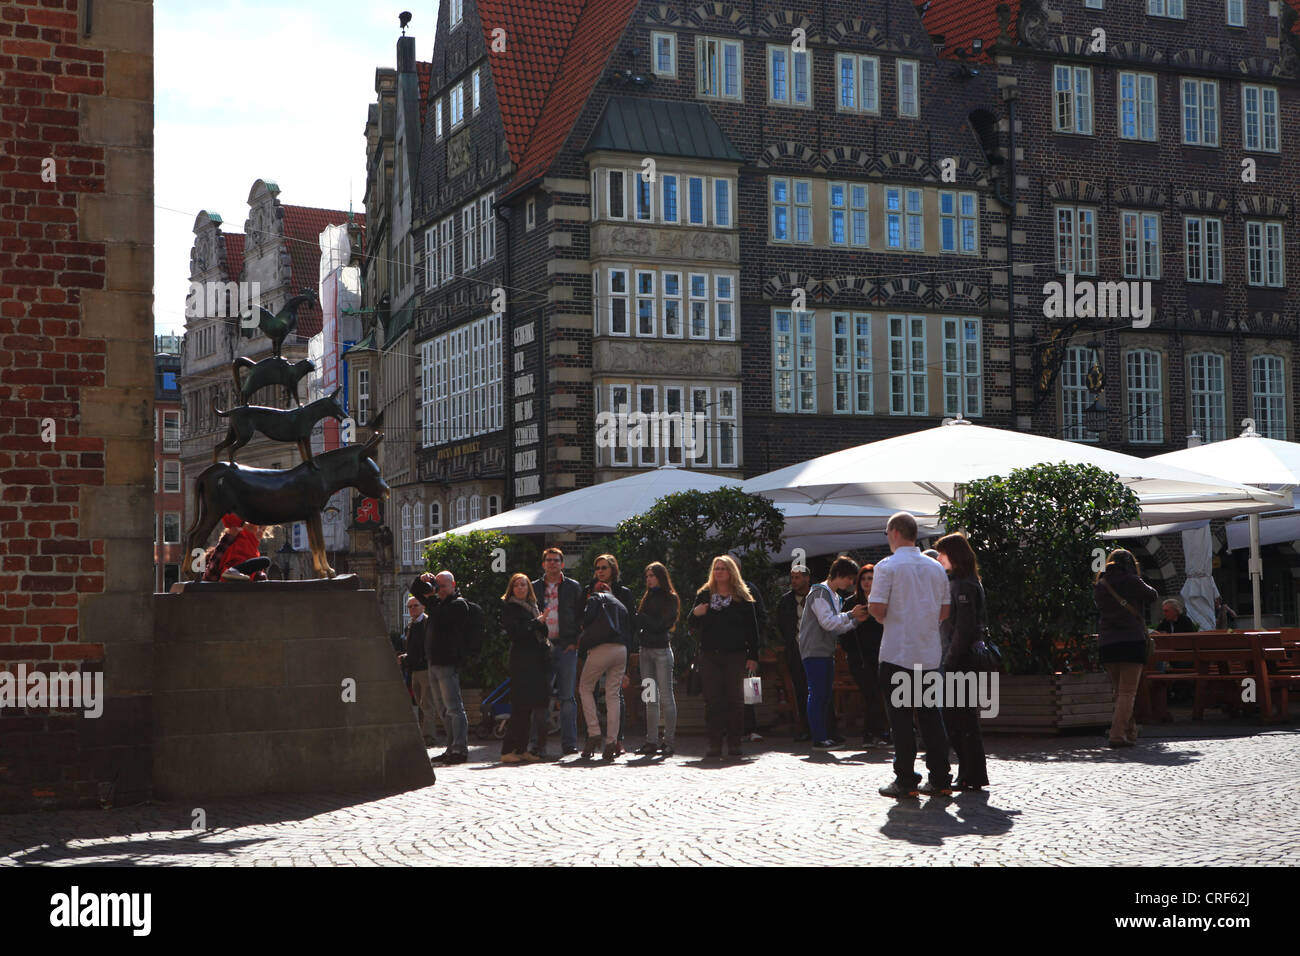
(985, 653)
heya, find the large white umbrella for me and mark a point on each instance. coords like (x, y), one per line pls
(918, 472)
(1262, 462)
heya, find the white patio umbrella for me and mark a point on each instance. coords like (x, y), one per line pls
(1262, 462)
(920, 471)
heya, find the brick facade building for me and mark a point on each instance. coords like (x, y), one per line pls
(76, 391)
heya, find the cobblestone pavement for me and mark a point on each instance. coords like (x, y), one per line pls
(1202, 797)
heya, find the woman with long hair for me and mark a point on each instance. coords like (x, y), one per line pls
(959, 633)
(727, 620)
(1122, 597)
(530, 670)
(656, 618)
(862, 648)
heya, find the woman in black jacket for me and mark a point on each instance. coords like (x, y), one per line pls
(1122, 597)
(727, 620)
(959, 633)
(530, 670)
(862, 648)
(656, 617)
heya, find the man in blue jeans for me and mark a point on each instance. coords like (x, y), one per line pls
(561, 599)
(822, 622)
(444, 649)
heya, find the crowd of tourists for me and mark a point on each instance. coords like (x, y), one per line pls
(911, 615)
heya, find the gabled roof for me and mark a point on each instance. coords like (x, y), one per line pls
(555, 52)
(302, 228)
(960, 21)
(631, 124)
(234, 255)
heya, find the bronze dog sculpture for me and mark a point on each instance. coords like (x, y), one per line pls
(292, 424)
(267, 496)
(274, 370)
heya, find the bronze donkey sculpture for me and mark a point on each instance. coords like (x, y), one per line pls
(267, 496)
(273, 370)
(292, 424)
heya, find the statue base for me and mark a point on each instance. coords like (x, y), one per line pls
(279, 687)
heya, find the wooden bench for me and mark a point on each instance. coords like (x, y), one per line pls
(1222, 658)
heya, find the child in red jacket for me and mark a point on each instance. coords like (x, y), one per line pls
(237, 555)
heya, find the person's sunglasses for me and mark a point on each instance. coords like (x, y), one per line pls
(602, 567)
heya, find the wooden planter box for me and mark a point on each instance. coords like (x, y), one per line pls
(1041, 704)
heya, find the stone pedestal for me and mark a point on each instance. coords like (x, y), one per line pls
(279, 687)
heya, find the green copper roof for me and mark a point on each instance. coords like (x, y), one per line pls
(631, 124)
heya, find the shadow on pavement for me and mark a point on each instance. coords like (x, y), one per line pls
(927, 822)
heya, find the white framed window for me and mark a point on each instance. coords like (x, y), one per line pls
(780, 210)
(789, 76)
(466, 382)
(475, 508)
(427, 376)
(1264, 254)
(469, 236)
(1235, 13)
(644, 204)
(437, 118)
(431, 257)
(859, 231)
(457, 12)
(718, 65)
(1268, 395)
(1143, 390)
(695, 197)
(915, 220)
(670, 431)
(171, 476)
(908, 379)
(620, 403)
(837, 222)
(724, 307)
(894, 218)
(722, 202)
(487, 224)
(668, 193)
(417, 532)
(476, 88)
(1072, 86)
(794, 361)
(963, 375)
(1075, 397)
(435, 517)
(700, 405)
(1094, 4)
(619, 298)
(699, 304)
(171, 431)
(1140, 244)
(406, 535)
(851, 362)
(1200, 112)
(493, 505)
(530, 215)
(457, 105)
(448, 230)
(672, 304)
(363, 396)
(171, 528)
(460, 511)
(909, 101)
(645, 303)
(1076, 240)
(646, 403)
(803, 212)
(1137, 106)
(1203, 242)
(665, 53)
(1259, 118)
(1205, 384)
(616, 194)
(1166, 8)
(725, 414)
(859, 83)
(959, 222)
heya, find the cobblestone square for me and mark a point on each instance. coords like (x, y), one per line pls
(1187, 795)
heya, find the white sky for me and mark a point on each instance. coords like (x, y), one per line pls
(276, 89)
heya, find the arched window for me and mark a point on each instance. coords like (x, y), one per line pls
(418, 550)
(460, 511)
(406, 536)
(475, 507)
(493, 505)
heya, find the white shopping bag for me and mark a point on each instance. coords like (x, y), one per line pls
(753, 690)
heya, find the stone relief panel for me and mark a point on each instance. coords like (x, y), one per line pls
(706, 360)
(610, 240)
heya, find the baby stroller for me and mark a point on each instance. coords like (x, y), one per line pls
(494, 713)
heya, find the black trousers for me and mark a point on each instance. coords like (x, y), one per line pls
(525, 713)
(866, 674)
(900, 724)
(963, 725)
(724, 701)
(794, 664)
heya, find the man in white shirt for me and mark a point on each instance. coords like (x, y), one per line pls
(909, 597)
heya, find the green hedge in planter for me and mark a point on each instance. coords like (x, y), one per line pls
(1037, 533)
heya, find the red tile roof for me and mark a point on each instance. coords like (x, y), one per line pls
(234, 255)
(425, 72)
(302, 228)
(960, 21)
(594, 37)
